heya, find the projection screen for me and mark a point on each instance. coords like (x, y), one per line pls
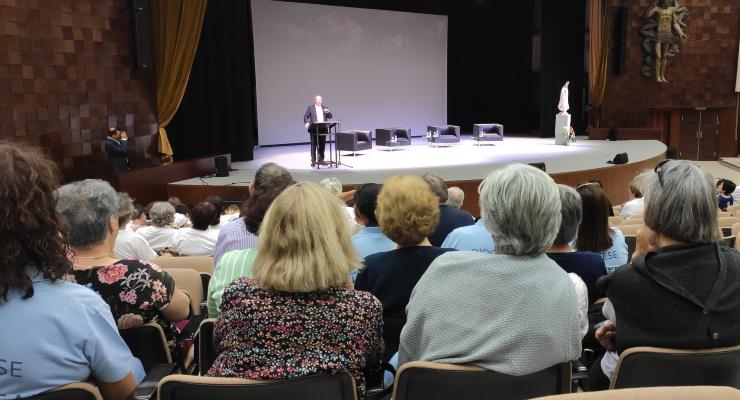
(374, 68)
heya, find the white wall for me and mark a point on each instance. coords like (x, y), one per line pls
(373, 68)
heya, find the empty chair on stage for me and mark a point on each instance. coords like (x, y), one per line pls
(354, 141)
(488, 133)
(443, 134)
(392, 137)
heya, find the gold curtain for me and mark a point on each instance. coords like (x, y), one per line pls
(176, 26)
(598, 57)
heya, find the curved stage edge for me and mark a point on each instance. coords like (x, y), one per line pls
(569, 165)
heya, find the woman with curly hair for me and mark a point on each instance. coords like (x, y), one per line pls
(54, 332)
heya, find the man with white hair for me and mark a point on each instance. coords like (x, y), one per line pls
(316, 112)
(455, 197)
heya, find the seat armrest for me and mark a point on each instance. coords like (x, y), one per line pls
(148, 387)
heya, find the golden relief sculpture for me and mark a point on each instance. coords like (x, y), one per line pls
(663, 35)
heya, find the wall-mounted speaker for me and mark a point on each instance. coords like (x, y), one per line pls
(222, 166)
(619, 52)
(142, 33)
(539, 165)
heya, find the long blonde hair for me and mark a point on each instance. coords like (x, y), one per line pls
(305, 242)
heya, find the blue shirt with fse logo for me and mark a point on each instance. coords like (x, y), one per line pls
(473, 237)
(615, 256)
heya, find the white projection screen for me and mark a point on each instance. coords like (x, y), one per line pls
(374, 68)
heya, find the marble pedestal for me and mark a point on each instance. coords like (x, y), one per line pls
(562, 125)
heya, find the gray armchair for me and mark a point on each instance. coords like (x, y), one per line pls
(354, 141)
(443, 134)
(384, 135)
(488, 133)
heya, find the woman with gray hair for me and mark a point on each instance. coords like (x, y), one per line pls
(136, 291)
(160, 234)
(587, 265)
(515, 312)
(692, 282)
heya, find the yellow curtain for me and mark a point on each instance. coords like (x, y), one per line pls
(176, 26)
(598, 57)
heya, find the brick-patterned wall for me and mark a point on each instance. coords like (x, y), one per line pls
(67, 72)
(702, 75)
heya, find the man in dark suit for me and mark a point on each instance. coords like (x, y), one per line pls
(116, 146)
(316, 112)
(450, 218)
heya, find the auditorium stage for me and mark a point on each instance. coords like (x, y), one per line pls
(461, 163)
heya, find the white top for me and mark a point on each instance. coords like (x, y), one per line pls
(194, 242)
(319, 113)
(226, 218)
(563, 103)
(181, 219)
(129, 245)
(158, 238)
(632, 208)
(354, 227)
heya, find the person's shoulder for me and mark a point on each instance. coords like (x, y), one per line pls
(378, 258)
(451, 257)
(365, 300)
(78, 298)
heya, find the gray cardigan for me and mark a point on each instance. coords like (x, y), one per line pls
(514, 315)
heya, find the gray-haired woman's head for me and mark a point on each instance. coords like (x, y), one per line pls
(87, 206)
(571, 211)
(162, 213)
(680, 203)
(125, 209)
(520, 206)
(332, 184)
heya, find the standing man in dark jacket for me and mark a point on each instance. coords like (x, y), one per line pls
(116, 146)
(316, 112)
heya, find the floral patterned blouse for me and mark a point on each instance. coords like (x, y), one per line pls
(266, 334)
(135, 290)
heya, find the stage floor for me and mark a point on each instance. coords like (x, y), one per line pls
(462, 161)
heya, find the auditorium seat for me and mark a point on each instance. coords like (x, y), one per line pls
(631, 241)
(72, 391)
(652, 366)
(725, 223)
(384, 135)
(735, 208)
(149, 344)
(629, 229)
(488, 133)
(634, 221)
(724, 214)
(203, 264)
(318, 387)
(443, 134)
(189, 281)
(615, 221)
(205, 352)
(654, 393)
(432, 381)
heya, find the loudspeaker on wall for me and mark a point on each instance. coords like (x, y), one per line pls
(619, 54)
(142, 33)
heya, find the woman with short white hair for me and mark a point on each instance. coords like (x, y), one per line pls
(300, 315)
(160, 234)
(515, 312)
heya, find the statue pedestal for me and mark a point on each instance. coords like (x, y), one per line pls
(562, 125)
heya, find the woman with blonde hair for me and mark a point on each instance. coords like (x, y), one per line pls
(299, 316)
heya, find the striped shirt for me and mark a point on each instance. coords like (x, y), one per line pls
(233, 265)
(233, 236)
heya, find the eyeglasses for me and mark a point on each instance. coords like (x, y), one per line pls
(659, 171)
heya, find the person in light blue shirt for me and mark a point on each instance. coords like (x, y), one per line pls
(473, 237)
(370, 239)
(615, 256)
(594, 233)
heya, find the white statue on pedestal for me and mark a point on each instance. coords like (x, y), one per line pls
(563, 131)
(563, 103)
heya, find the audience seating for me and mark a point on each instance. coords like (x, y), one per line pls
(633, 221)
(615, 221)
(202, 264)
(431, 381)
(320, 387)
(488, 133)
(733, 208)
(654, 393)
(631, 241)
(354, 141)
(384, 135)
(149, 344)
(729, 241)
(206, 347)
(443, 134)
(72, 391)
(629, 229)
(724, 214)
(725, 223)
(190, 282)
(652, 366)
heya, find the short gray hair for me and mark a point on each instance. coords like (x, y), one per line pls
(87, 206)
(681, 203)
(520, 206)
(162, 213)
(437, 185)
(455, 197)
(332, 184)
(571, 211)
(268, 171)
(125, 205)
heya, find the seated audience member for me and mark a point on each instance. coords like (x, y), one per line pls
(594, 233)
(450, 218)
(234, 235)
(725, 188)
(588, 266)
(138, 219)
(515, 312)
(200, 238)
(159, 234)
(129, 245)
(238, 263)
(334, 186)
(636, 205)
(407, 212)
(473, 238)
(136, 291)
(182, 215)
(217, 202)
(682, 288)
(455, 197)
(598, 184)
(53, 332)
(370, 239)
(230, 213)
(303, 316)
